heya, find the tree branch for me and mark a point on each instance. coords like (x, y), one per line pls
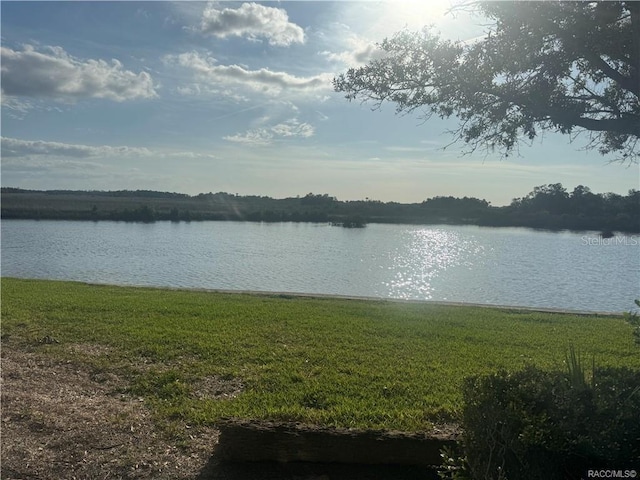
(618, 125)
(627, 83)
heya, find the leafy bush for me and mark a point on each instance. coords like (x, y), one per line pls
(534, 424)
(634, 320)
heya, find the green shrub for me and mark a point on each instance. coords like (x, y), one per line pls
(634, 320)
(534, 424)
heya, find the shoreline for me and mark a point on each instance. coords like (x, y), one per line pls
(443, 303)
(439, 223)
(332, 296)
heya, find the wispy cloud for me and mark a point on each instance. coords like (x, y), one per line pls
(53, 73)
(15, 148)
(189, 155)
(405, 149)
(357, 52)
(207, 71)
(358, 56)
(253, 21)
(267, 135)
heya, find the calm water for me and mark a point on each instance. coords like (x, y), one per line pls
(508, 266)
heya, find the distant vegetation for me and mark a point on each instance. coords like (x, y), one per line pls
(547, 207)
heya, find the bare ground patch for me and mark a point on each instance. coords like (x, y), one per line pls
(61, 421)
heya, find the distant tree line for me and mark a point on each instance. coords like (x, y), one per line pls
(546, 207)
(101, 193)
(552, 207)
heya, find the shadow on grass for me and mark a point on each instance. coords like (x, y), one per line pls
(222, 470)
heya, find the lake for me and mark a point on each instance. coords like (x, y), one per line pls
(498, 266)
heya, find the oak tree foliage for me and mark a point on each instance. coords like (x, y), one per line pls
(560, 66)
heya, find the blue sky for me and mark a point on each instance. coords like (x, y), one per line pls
(196, 97)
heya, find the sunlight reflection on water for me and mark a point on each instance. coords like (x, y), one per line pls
(426, 253)
(504, 266)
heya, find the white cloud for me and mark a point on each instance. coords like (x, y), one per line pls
(189, 155)
(16, 107)
(266, 136)
(53, 73)
(359, 53)
(197, 90)
(264, 81)
(253, 21)
(406, 149)
(346, 46)
(13, 147)
(259, 136)
(293, 128)
(17, 148)
(48, 166)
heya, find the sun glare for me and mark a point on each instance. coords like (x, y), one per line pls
(378, 20)
(415, 14)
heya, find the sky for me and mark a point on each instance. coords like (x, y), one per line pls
(237, 97)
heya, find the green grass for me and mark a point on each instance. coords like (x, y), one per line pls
(333, 362)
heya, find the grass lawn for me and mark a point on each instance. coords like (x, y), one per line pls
(198, 356)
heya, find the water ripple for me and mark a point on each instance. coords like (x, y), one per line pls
(455, 263)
